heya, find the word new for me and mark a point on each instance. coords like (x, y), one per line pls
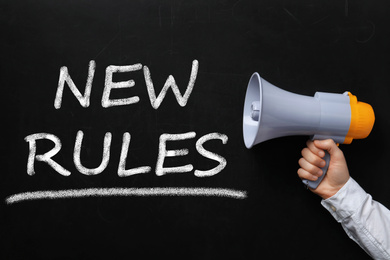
(109, 85)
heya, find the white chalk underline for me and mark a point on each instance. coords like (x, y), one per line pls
(125, 192)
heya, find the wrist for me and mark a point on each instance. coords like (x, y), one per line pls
(326, 194)
(329, 190)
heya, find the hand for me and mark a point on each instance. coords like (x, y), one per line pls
(311, 163)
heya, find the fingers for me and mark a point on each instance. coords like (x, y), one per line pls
(311, 162)
(313, 157)
(308, 170)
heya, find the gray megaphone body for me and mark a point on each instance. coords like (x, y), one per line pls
(271, 112)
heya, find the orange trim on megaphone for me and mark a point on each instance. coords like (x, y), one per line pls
(362, 120)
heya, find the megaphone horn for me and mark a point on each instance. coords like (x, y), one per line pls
(271, 112)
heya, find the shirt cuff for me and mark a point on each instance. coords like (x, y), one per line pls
(346, 201)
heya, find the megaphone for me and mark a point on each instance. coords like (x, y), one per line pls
(271, 112)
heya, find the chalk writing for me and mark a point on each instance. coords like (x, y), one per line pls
(170, 83)
(109, 85)
(123, 171)
(210, 155)
(160, 170)
(138, 192)
(65, 77)
(31, 139)
(105, 157)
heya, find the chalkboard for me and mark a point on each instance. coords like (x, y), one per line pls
(122, 126)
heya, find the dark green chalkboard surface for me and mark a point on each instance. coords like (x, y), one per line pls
(122, 126)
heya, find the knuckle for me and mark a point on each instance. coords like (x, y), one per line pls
(313, 169)
(319, 162)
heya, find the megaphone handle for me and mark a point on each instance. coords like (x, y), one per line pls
(314, 184)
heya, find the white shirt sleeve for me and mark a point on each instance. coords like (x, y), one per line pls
(366, 221)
